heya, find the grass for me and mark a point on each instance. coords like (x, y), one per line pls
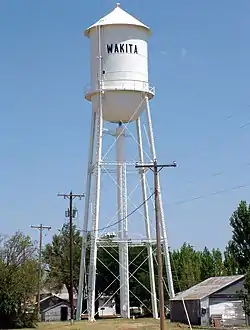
(116, 324)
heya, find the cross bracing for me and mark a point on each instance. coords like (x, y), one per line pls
(107, 167)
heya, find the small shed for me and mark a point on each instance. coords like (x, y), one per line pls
(54, 308)
(215, 298)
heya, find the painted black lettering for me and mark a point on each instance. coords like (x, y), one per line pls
(116, 48)
(110, 48)
(121, 48)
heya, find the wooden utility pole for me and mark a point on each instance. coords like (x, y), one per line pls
(41, 228)
(70, 214)
(156, 168)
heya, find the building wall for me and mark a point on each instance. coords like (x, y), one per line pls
(204, 311)
(54, 314)
(177, 311)
(229, 303)
(230, 309)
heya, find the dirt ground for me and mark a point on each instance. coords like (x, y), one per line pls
(118, 324)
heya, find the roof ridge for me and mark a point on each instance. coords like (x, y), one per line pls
(194, 292)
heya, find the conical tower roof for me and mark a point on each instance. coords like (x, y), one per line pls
(117, 17)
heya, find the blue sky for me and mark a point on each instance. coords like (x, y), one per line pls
(199, 63)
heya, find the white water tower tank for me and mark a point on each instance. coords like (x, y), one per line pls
(119, 57)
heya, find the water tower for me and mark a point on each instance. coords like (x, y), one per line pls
(119, 94)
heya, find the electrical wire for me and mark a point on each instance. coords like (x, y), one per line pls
(218, 192)
(245, 125)
(124, 218)
(218, 173)
(215, 174)
(225, 119)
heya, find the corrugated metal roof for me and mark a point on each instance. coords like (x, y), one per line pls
(207, 287)
(117, 17)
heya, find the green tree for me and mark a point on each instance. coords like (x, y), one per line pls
(56, 256)
(140, 281)
(246, 292)
(176, 269)
(218, 262)
(108, 274)
(239, 246)
(230, 264)
(186, 267)
(207, 264)
(18, 282)
(211, 263)
(107, 269)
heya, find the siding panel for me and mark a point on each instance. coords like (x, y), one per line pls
(54, 314)
(231, 310)
(177, 312)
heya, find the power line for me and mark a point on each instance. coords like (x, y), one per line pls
(218, 173)
(216, 140)
(218, 192)
(128, 215)
(245, 125)
(41, 228)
